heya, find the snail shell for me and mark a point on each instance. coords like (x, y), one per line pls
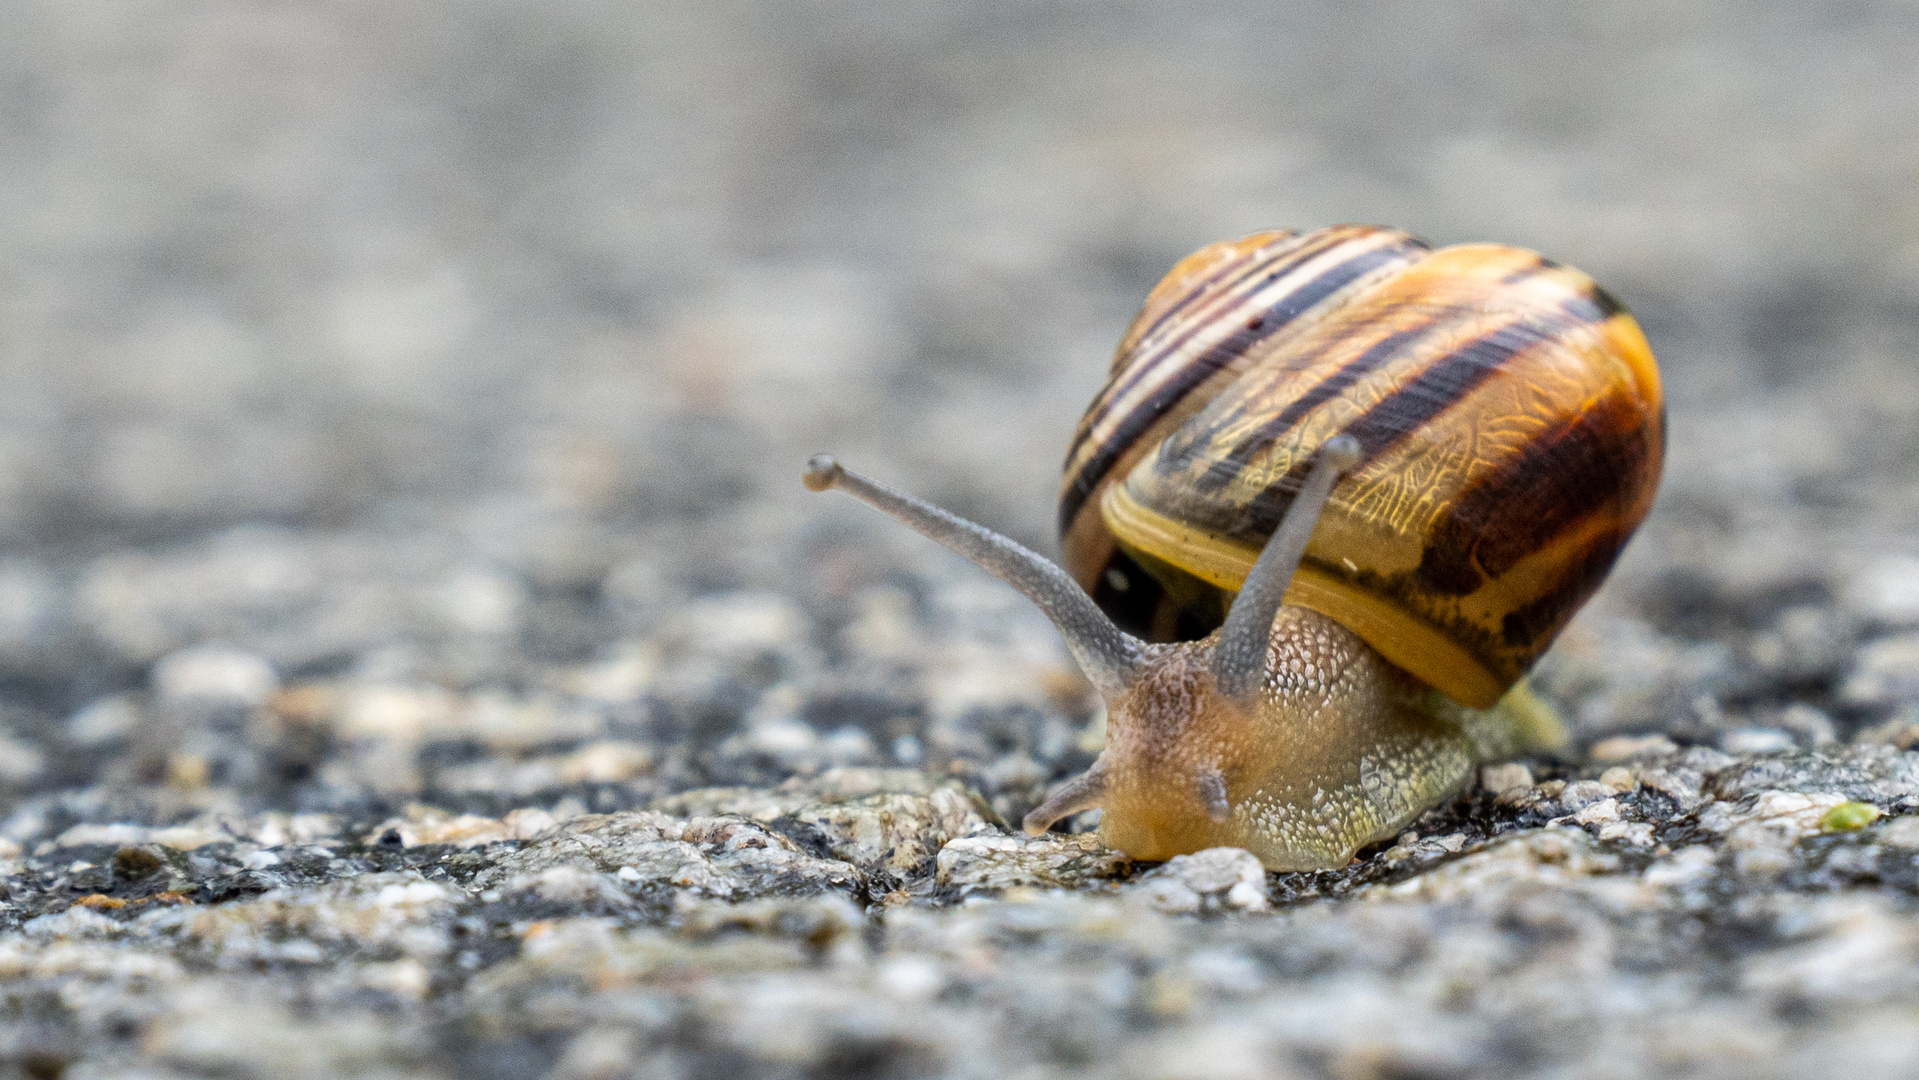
(1508, 411)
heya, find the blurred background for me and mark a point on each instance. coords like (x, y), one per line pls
(440, 374)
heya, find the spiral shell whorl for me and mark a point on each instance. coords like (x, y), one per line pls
(1509, 412)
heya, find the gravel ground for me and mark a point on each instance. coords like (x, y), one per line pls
(418, 657)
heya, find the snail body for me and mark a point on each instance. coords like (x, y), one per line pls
(1368, 482)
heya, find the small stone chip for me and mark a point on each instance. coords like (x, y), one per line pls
(1598, 813)
(1848, 816)
(1215, 878)
(1619, 778)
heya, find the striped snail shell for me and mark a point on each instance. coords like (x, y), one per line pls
(1509, 418)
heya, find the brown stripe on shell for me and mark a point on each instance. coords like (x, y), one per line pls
(1579, 467)
(1264, 312)
(1444, 382)
(1228, 275)
(1196, 370)
(1540, 262)
(1226, 468)
(1143, 347)
(1442, 378)
(1217, 309)
(1606, 304)
(1412, 374)
(1209, 303)
(1541, 619)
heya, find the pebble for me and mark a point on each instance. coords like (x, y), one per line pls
(1579, 794)
(1604, 810)
(1217, 878)
(1619, 779)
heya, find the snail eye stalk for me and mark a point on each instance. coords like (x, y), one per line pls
(1110, 657)
(1239, 658)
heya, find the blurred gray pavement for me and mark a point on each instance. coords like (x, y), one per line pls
(401, 415)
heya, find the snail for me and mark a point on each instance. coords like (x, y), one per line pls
(1339, 492)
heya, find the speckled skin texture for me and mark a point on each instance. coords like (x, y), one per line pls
(1334, 756)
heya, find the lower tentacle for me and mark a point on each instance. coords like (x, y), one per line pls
(1083, 792)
